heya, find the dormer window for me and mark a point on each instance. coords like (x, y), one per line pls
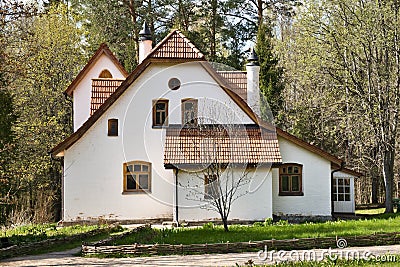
(113, 127)
(189, 112)
(105, 74)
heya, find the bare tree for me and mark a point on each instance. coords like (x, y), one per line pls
(223, 181)
(224, 155)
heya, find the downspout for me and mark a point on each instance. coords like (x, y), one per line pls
(342, 164)
(176, 197)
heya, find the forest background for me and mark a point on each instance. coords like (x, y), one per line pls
(330, 71)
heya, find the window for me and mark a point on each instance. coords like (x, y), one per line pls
(211, 187)
(137, 176)
(160, 112)
(341, 189)
(174, 83)
(113, 127)
(290, 180)
(189, 112)
(105, 74)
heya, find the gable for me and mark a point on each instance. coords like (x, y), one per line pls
(103, 50)
(176, 46)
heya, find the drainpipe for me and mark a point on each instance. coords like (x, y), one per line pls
(176, 197)
(342, 164)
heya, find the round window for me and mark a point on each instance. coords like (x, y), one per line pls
(174, 83)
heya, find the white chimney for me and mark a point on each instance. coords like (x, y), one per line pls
(145, 42)
(253, 82)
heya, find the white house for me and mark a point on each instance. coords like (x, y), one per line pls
(140, 141)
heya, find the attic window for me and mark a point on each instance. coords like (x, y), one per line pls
(290, 180)
(105, 74)
(113, 127)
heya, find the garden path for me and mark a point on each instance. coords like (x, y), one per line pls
(67, 258)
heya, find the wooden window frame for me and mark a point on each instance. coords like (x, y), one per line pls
(109, 129)
(196, 110)
(207, 194)
(165, 124)
(335, 189)
(300, 174)
(126, 173)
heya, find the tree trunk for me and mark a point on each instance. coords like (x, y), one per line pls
(225, 221)
(374, 188)
(388, 176)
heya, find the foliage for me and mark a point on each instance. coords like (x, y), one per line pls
(342, 91)
(47, 60)
(112, 22)
(271, 85)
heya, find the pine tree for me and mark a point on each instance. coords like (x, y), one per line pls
(271, 86)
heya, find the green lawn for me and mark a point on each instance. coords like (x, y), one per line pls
(238, 233)
(394, 261)
(33, 233)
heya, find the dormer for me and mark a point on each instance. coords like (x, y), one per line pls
(101, 76)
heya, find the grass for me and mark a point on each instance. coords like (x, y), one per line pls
(394, 261)
(38, 232)
(259, 231)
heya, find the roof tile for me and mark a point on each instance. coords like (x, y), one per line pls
(177, 46)
(236, 81)
(101, 90)
(222, 144)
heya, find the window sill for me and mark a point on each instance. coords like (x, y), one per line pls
(159, 126)
(136, 192)
(291, 194)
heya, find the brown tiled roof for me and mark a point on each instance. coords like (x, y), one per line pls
(101, 90)
(222, 144)
(176, 46)
(103, 49)
(237, 81)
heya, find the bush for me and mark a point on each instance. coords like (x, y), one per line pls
(208, 226)
(268, 221)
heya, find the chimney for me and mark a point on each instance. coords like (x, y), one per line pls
(253, 82)
(145, 42)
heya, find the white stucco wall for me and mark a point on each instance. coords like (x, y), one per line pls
(254, 205)
(82, 92)
(316, 200)
(93, 180)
